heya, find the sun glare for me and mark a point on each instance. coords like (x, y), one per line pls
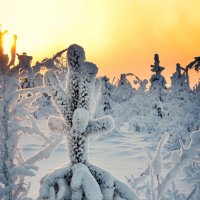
(7, 42)
(119, 36)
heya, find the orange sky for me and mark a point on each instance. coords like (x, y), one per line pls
(118, 35)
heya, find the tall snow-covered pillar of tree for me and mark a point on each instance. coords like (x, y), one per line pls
(80, 179)
(158, 82)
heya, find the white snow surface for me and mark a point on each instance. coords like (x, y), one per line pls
(121, 153)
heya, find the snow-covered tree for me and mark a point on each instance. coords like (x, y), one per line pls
(105, 103)
(14, 110)
(15, 120)
(148, 107)
(142, 84)
(180, 81)
(80, 179)
(158, 82)
(123, 90)
(195, 64)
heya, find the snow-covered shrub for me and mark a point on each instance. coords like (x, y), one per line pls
(15, 109)
(182, 114)
(105, 103)
(146, 109)
(123, 90)
(180, 81)
(80, 179)
(16, 119)
(13, 113)
(152, 184)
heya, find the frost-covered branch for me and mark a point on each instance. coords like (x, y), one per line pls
(100, 126)
(59, 95)
(179, 160)
(185, 155)
(48, 63)
(157, 162)
(44, 153)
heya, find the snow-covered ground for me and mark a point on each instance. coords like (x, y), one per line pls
(121, 153)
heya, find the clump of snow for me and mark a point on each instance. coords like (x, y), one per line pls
(56, 124)
(80, 119)
(83, 182)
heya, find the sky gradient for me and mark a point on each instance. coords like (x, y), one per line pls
(120, 36)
